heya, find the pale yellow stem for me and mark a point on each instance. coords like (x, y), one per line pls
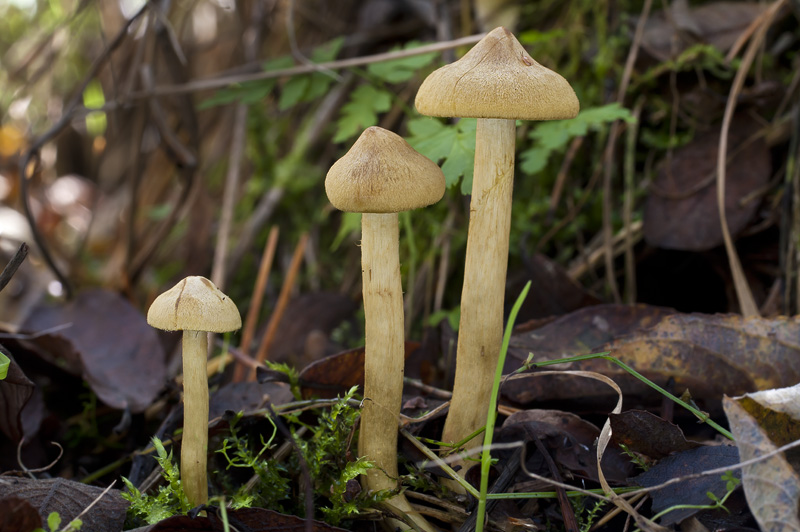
(194, 443)
(384, 357)
(481, 328)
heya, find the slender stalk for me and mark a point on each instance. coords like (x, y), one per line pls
(195, 417)
(481, 328)
(384, 357)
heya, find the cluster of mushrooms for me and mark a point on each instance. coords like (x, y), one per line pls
(496, 82)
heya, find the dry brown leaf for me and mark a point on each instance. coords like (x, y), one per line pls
(761, 422)
(109, 343)
(69, 499)
(716, 23)
(711, 355)
(681, 209)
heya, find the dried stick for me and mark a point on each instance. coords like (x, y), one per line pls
(627, 207)
(232, 180)
(217, 83)
(747, 304)
(264, 269)
(13, 265)
(251, 40)
(609, 152)
(283, 300)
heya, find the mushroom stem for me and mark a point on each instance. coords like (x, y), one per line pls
(384, 356)
(194, 445)
(480, 331)
(384, 353)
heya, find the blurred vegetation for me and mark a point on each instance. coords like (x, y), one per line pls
(117, 140)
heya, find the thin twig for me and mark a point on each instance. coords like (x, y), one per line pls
(627, 206)
(264, 268)
(251, 39)
(218, 83)
(232, 178)
(747, 304)
(608, 156)
(280, 306)
(95, 501)
(13, 265)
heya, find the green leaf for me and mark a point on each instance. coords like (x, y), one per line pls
(300, 88)
(53, 521)
(403, 69)
(293, 91)
(351, 224)
(553, 136)
(361, 111)
(455, 143)
(248, 92)
(93, 98)
(536, 37)
(4, 363)
(328, 51)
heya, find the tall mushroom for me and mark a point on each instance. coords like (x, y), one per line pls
(380, 176)
(496, 82)
(196, 307)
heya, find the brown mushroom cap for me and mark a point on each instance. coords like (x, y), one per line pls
(497, 79)
(194, 304)
(382, 173)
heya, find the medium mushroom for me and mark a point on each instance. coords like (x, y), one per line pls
(380, 176)
(496, 82)
(196, 307)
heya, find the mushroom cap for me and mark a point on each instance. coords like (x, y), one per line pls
(194, 304)
(382, 173)
(497, 79)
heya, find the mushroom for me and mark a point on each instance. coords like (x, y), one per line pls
(196, 307)
(496, 82)
(380, 176)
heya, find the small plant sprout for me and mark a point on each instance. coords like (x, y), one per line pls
(496, 82)
(196, 307)
(380, 176)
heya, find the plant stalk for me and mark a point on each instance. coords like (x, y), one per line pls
(481, 328)
(194, 447)
(384, 358)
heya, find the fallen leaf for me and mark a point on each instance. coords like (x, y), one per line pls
(761, 422)
(70, 498)
(691, 491)
(648, 434)
(306, 325)
(118, 354)
(247, 396)
(570, 439)
(17, 514)
(556, 292)
(715, 23)
(15, 391)
(711, 355)
(336, 374)
(681, 210)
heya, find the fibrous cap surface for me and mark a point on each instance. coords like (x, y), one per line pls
(497, 79)
(194, 304)
(382, 173)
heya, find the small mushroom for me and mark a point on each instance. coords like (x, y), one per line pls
(498, 83)
(380, 176)
(196, 307)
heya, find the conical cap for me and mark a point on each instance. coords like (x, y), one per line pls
(497, 79)
(382, 173)
(194, 304)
